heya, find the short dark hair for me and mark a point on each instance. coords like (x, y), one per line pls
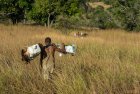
(48, 40)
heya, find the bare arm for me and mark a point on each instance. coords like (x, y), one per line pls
(61, 50)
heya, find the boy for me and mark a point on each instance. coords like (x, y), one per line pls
(47, 55)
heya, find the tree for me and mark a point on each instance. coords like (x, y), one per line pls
(15, 9)
(46, 11)
(100, 18)
(127, 13)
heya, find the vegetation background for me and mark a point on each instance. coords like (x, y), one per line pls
(124, 14)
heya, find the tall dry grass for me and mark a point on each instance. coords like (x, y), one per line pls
(106, 62)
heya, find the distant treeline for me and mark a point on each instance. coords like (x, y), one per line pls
(124, 14)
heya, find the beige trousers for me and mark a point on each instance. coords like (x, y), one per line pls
(48, 68)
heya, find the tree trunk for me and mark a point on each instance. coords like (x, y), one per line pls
(45, 24)
(14, 21)
(49, 20)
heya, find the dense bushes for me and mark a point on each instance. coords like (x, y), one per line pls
(101, 19)
(74, 13)
(126, 13)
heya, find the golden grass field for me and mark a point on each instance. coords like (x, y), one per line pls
(106, 62)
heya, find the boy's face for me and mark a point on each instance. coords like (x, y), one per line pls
(46, 43)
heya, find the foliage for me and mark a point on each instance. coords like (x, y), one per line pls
(127, 13)
(101, 19)
(44, 10)
(124, 14)
(15, 9)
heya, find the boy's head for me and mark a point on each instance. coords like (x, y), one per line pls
(47, 40)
